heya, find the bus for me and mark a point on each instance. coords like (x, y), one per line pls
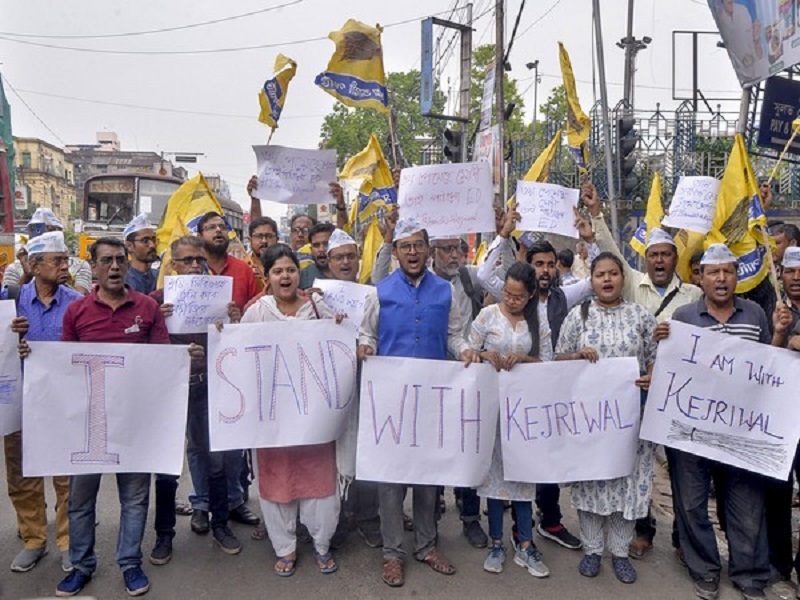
(111, 201)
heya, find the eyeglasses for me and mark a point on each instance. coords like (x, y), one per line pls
(107, 261)
(263, 236)
(190, 260)
(215, 226)
(345, 256)
(146, 240)
(57, 261)
(406, 247)
(301, 230)
(515, 297)
(450, 249)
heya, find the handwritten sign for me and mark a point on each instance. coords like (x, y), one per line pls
(426, 421)
(725, 398)
(288, 383)
(345, 298)
(197, 301)
(104, 408)
(580, 419)
(546, 207)
(10, 372)
(693, 204)
(294, 176)
(448, 199)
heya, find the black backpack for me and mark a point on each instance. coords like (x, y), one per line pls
(475, 296)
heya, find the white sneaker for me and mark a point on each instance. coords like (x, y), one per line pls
(531, 559)
(27, 559)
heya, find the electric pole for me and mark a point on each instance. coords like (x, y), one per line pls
(499, 76)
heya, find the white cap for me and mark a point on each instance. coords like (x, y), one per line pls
(659, 236)
(338, 239)
(441, 238)
(406, 227)
(718, 254)
(46, 216)
(51, 241)
(139, 222)
(791, 257)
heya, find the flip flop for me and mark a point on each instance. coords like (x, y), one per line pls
(326, 563)
(285, 567)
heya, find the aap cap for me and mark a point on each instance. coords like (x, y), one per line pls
(443, 238)
(51, 241)
(338, 239)
(139, 222)
(45, 216)
(406, 227)
(659, 236)
(718, 254)
(791, 257)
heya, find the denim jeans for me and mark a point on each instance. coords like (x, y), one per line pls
(134, 495)
(523, 512)
(470, 504)
(741, 494)
(216, 468)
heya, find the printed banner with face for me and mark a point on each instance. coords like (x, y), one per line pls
(288, 383)
(104, 408)
(725, 398)
(426, 421)
(10, 372)
(578, 422)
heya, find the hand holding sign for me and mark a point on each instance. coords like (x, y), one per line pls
(196, 301)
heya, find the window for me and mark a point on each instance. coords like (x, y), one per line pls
(26, 160)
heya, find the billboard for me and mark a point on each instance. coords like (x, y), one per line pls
(781, 106)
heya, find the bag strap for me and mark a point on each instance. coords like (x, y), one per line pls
(667, 299)
(314, 306)
(13, 294)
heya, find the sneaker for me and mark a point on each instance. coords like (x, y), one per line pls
(751, 593)
(66, 563)
(162, 551)
(27, 559)
(494, 561)
(589, 565)
(623, 569)
(476, 536)
(72, 584)
(136, 582)
(560, 535)
(371, 534)
(531, 558)
(226, 541)
(200, 521)
(707, 589)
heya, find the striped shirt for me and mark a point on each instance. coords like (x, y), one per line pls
(748, 320)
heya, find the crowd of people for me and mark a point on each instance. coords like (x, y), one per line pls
(523, 304)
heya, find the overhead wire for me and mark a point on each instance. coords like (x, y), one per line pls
(542, 16)
(33, 112)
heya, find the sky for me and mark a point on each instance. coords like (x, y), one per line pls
(208, 101)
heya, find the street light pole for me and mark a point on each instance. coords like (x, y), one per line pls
(535, 67)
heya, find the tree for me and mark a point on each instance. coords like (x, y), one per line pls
(348, 129)
(482, 57)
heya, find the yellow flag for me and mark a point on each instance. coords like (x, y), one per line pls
(689, 243)
(578, 124)
(305, 256)
(652, 217)
(372, 243)
(738, 217)
(355, 74)
(273, 94)
(378, 189)
(480, 254)
(189, 202)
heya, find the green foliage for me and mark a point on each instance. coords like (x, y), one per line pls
(483, 56)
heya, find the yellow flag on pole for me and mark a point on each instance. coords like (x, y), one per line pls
(355, 75)
(377, 190)
(578, 124)
(272, 96)
(652, 216)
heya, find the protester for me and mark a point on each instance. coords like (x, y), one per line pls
(566, 260)
(694, 265)
(740, 492)
(263, 233)
(318, 236)
(140, 240)
(609, 327)
(41, 305)
(19, 272)
(112, 313)
(506, 334)
(411, 313)
(580, 268)
(660, 290)
(297, 479)
(299, 226)
(463, 253)
(786, 235)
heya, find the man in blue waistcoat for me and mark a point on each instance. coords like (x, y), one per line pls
(411, 314)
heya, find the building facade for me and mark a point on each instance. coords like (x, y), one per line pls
(44, 178)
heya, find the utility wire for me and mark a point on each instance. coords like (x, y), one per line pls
(33, 112)
(544, 14)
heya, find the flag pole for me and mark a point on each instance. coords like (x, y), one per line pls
(773, 272)
(271, 133)
(391, 136)
(795, 131)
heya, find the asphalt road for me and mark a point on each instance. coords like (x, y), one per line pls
(200, 571)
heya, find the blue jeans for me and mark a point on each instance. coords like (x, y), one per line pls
(470, 504)
(742, 499)
(134, 495)
(524, 512)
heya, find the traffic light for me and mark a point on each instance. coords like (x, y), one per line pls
(627, 140)
(452, 145)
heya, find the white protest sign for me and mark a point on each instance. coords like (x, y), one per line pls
(345, 298)
(294, 176)
(426, 421)
(725, 398)
(104, 408)
(10, 372)
(197, 301)
(546, 207)
(693, 204)
(287, 383)
(580, 422)
(448, 199)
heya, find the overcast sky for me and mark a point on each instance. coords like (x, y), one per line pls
(225, 84)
